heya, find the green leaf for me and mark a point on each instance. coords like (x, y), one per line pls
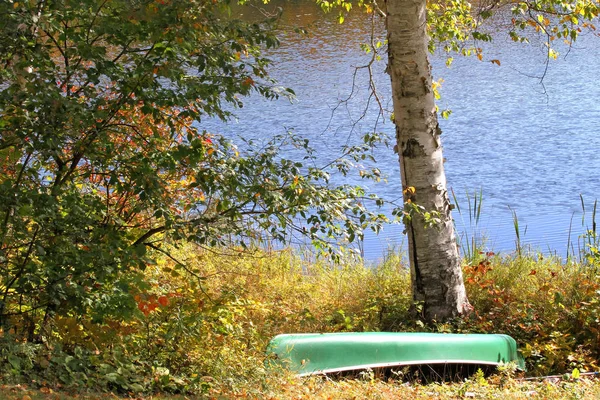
(14, 361)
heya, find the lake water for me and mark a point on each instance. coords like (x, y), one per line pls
(531, 148)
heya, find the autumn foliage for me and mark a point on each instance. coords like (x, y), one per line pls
(105, 162)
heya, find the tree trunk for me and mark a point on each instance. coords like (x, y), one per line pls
(437, 281)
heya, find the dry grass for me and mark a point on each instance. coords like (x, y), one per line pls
(325, 389)
(552, 309)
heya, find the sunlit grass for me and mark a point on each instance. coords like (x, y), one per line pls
(209, 338)
(322, 388)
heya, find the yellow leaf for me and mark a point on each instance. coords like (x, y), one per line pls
(479, 56)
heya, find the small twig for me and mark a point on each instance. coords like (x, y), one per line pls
(560, 377)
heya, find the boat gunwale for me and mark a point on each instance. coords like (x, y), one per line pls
(396, 364)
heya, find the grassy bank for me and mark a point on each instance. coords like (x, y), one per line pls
(315, 388)
(200, 327)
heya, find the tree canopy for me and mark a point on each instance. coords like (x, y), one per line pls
(105, 159)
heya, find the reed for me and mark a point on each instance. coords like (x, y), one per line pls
(517, 228)
(471, 241)
(589, 241)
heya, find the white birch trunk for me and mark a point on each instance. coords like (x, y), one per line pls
(437, 280)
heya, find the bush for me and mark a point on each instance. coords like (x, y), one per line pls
(201, 324)
(549, 307)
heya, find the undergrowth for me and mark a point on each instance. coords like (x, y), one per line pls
(200, 325)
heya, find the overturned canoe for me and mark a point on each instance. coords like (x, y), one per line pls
(309, 354)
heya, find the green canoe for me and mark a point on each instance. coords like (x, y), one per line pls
(309, 354)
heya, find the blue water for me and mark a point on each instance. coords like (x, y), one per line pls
(532, 147)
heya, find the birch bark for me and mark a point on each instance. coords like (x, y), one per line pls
(436, 273)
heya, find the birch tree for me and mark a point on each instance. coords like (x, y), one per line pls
(435, 264)
(436, 273)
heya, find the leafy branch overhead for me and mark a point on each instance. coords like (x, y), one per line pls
(104, 156)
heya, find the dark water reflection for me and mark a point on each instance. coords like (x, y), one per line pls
(531, 147)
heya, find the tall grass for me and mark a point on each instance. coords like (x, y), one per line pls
(209, 332)
(589, 241)
(517, 229)
(551, 308)
(471, 241)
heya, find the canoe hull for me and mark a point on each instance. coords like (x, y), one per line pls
(308, 354)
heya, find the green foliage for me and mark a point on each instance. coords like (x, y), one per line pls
(103, 155)
(451, 23)
(458, 26)
(559, 19)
